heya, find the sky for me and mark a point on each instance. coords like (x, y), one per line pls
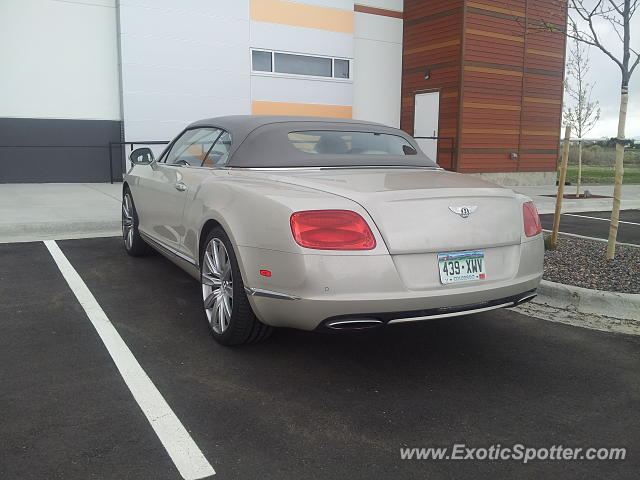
(606, 77)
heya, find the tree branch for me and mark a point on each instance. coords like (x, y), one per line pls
(635, 64)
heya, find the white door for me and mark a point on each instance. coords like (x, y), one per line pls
(427, 110)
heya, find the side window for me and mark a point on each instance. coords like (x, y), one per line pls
(219, 153)
(192, 147)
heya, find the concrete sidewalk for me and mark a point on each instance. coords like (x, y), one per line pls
(52, 211)
(31, 212)
(630, 198)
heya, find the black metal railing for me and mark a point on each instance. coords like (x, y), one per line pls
(452, 149)
(111, 144)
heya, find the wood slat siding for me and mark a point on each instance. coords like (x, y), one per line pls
(500, 79)
(524, 65)
(432, 40)
(377, 11)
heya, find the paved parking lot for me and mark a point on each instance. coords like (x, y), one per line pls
(302, 405)
(596, 224)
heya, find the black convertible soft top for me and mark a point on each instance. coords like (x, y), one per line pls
(261, 141)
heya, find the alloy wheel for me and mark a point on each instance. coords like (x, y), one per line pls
(217, 285)
(127, 221)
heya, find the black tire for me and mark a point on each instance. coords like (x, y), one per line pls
(243, 326)
(135, 245)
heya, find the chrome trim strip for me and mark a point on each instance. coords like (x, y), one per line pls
(345, 167)
(170, 250)
(453, 314)
(371, 321)
(258, 292)
(383, 167)
(273, 168)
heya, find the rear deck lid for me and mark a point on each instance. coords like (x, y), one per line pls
(420, 211)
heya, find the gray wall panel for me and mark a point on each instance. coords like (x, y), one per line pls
(53, 150)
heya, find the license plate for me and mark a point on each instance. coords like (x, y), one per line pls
(461, 266)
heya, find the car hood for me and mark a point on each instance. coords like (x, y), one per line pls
(415, 209)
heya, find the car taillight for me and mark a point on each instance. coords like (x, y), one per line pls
(331, 230)
(531, 219)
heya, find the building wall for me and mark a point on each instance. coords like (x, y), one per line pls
(42, 150)
(500, 83)
(369, 34)
(59, 93)
(433, 43)
(77, 75)
(182, 61)
(512, 87)
(311, 27)
(543, 90)
(378, 61)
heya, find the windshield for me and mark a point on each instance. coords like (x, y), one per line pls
(331, 142)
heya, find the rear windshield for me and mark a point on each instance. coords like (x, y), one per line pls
(330, 142)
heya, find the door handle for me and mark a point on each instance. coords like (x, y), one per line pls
(181, 187)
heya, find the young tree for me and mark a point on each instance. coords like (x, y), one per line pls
(588, 19)
(583, 113)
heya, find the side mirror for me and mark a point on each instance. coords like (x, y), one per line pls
(141, 156)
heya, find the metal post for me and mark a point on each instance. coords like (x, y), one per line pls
(111, 162)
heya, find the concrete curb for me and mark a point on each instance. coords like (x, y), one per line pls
(595, 309)
(33, 232)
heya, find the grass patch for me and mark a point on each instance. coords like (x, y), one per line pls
(600, 174)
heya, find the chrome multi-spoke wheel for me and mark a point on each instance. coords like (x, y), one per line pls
(217, 285)
(133, 243)
(127, 221)
(226, 305)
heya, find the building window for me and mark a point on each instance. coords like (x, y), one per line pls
(261, 61)
(340, 68)
(296, 64)
(302, 65)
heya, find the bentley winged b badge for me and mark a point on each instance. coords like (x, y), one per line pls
(464, 210)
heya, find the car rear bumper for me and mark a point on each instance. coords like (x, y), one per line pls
(372, 320)
(311, 314)
(310, 291)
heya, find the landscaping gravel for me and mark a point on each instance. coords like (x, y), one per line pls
(583, 263)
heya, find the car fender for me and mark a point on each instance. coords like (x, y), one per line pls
(255, 213)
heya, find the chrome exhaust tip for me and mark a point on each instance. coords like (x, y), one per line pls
(525, 299)
(354, 324)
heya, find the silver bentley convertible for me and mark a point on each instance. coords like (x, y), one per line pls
(326, 224)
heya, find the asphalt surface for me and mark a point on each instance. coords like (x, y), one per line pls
(598, 226)
(301, 405)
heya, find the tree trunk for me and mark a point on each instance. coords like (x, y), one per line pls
(619, 172)
(561, 180)
(579, 168)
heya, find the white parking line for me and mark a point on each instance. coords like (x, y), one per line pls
(597, 218)
(184, 452)
(598, 239)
